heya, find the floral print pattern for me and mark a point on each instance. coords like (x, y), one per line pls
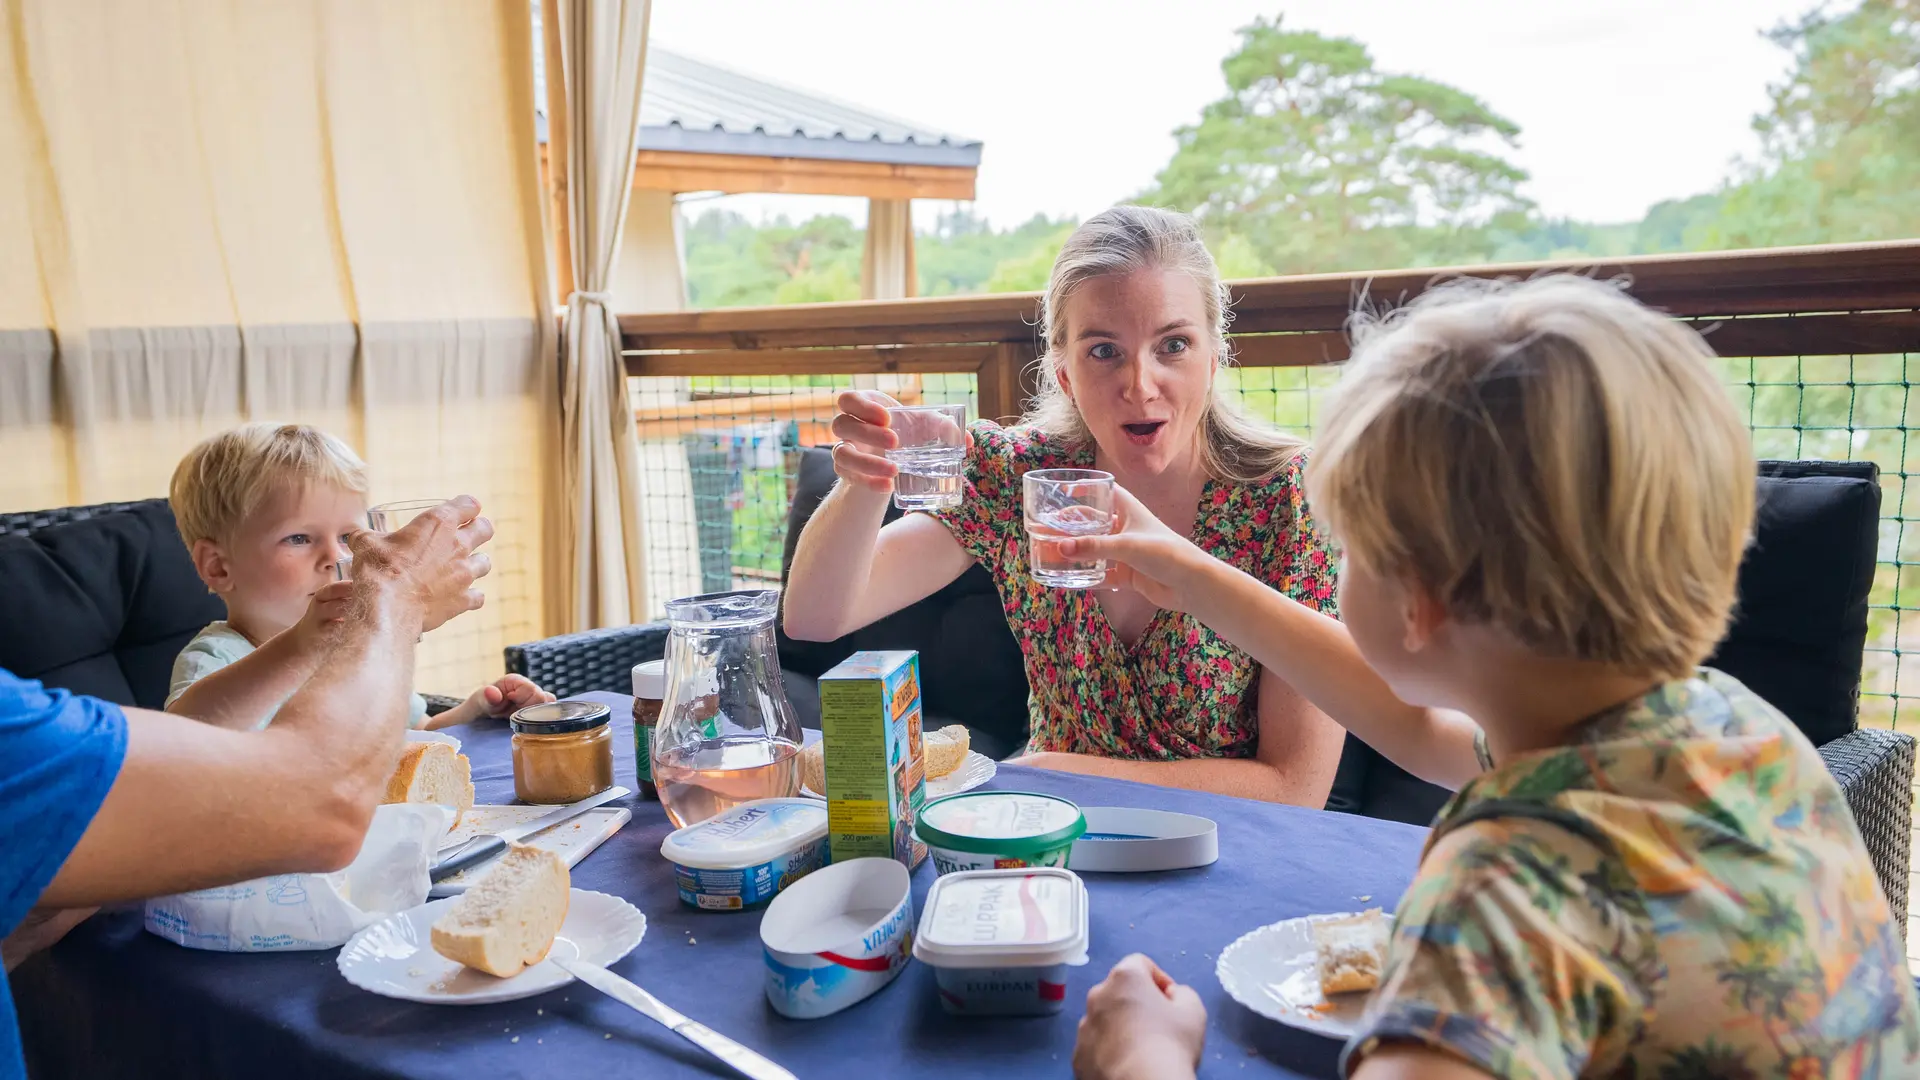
(1180, 691)
(1678, 893)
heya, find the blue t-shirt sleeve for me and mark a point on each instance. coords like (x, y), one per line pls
(59, 754)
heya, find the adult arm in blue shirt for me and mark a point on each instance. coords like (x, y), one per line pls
(195, 806)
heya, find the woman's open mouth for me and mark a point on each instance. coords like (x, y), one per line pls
(1143, 433)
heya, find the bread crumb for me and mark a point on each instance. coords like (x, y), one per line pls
(539, 1012)
(516, 1038)
(1364, 899)
(608, 1035)
(693, 941)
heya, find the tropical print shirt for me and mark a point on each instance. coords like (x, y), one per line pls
(1679, 892)
(1180, 691)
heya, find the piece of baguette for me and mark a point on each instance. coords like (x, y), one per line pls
(1350, 951)
(813, 768)
(508, 919)
(432, 773)
(946, 749)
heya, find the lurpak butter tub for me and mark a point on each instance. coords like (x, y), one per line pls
(1000, 941)
(999, 830)
(742, 857)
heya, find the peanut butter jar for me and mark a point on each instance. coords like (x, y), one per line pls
(562, 751)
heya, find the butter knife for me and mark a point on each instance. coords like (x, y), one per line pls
(484, 847)
(739, 1058)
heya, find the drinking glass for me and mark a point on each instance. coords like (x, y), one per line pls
(1060, 504)
(932, 451)
(393, 516)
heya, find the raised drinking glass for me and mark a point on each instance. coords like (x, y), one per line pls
(931, 455)
(1060, 504)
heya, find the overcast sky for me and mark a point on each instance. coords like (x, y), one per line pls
(1621, 103)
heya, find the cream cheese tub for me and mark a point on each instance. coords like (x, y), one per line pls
(999, 830)
(742, 857)
(1000, 941)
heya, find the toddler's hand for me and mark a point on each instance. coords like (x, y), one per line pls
(1142, 553)
(503, 697)
(1140, 1024)
(325, 611)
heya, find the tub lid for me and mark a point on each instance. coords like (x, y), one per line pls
(747, 835)
(1010, 823)
(1030, 917)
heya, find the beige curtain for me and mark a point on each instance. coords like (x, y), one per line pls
(316, 210)
(886, 269)
(593, 130)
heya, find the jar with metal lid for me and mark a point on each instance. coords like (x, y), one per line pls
(562, 751)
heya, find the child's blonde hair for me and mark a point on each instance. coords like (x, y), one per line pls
(229, 475)
(1548, 457)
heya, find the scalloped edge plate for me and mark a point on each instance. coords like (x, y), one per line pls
(1271, 971)
(393, 957)
(975, 769)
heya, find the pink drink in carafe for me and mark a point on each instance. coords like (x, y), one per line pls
(698, 785)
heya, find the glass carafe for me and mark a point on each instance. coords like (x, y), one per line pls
(727, 734)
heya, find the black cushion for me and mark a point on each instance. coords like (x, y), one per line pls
(102, 606)
(971, 669)
(1801, 625)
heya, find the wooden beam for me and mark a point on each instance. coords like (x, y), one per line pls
(1005, 384)
(1832, 278)
(1862, 334)
(949, 359)
(677, 171)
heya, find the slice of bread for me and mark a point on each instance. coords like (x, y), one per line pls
(508, 919)
(1350, 951)
(813, 768)
(432, 773)
(946, 749)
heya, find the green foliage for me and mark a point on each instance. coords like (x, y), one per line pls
(965, 255)
(1318, 161)
(1841, 144)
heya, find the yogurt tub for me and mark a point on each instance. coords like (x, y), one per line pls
(1000, 941)
(999, 830)
(837, 937)
(742, 857)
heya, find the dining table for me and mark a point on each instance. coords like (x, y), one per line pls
(111, 1000)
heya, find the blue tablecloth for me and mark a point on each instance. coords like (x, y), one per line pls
(112, 1000)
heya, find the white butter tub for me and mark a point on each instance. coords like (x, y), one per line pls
(1000, 941)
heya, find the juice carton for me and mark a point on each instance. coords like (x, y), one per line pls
(876, 772)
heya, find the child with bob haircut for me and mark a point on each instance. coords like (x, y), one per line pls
(1542, 493)
(265, 510)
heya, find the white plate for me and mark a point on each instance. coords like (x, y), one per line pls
(433, 736)
(975, 769)
(395, 956)
(1271, 971)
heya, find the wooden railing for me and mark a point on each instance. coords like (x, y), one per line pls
(1852, 298)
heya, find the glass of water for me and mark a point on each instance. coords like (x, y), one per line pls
(1061, 504)
(931, 455)
(393, 516)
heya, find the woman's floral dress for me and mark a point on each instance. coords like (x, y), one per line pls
(1180, 691)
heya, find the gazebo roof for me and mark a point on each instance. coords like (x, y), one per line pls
(693, 106)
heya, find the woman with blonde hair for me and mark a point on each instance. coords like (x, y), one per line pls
(1134, 319)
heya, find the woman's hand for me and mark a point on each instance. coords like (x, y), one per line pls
(1143, 555)
(1140, 1024)
(865, 435)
